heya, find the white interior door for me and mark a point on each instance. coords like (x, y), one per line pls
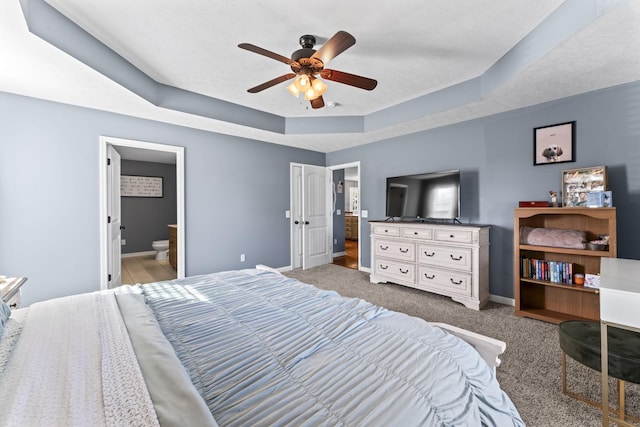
(316, 204)
(114, 220)
(297, 220)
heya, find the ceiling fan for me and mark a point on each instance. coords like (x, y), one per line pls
(308, 64)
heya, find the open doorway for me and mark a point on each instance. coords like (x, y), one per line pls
(114, 151)
(346, 215)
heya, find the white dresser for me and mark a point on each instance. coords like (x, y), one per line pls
(446, 259)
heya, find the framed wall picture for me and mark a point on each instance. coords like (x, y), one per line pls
(554, 144)
(140, 186)
(578, 183)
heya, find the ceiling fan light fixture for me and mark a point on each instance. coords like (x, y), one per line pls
(302, 83)
(319, 86)
(293, 90)
(316, 89)
(311, 94)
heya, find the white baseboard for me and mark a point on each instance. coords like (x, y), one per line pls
(337, 254)
(502, 300)
(279, 269)
(132, 254)
(365, 269)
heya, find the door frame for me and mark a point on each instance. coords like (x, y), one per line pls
(180, 197)
(355, 164)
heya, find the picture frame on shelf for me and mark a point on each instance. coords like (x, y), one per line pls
(578, 183)
(554, 144)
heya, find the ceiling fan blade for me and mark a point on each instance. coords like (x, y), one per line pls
(349, 79)
(337, 44)
(317, 103)
(267, 85)
(255, 49)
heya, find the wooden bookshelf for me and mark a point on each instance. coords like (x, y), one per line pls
(557, 302)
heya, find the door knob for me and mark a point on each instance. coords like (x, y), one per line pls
(296, 222)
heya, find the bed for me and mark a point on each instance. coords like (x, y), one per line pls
(239, 348)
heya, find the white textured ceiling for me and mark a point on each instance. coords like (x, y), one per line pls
(414, 49)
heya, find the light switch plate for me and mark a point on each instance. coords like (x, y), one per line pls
(364, 214)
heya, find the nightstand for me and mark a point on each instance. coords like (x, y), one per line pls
(10, 290)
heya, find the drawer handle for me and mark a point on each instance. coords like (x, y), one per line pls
(429, 277)
(386, 231)
(451, 236)
(384, 267)
(455, 259)
(459, 282)
(403, 271)
(404, 251)
(384, 248)
(429, 255)
(415, 232)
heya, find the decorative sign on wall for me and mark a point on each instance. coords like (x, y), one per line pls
(140, 186)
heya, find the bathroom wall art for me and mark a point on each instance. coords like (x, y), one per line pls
(140, 186)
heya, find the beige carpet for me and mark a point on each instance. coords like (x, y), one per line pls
(531, 366)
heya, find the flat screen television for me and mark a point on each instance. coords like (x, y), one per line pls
(434, 195)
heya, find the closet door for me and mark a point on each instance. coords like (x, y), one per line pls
(317, 216)
(310, 216)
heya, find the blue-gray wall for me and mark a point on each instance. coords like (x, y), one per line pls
(495, 156)
(237, 191)
(147, 218)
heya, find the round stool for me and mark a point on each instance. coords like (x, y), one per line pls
(581, 341)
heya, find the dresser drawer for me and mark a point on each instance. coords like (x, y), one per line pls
(448, 282)
(450, 257)
(452, 235)
(385, 230)
(403, 251)
(395, 271)
(417, 233)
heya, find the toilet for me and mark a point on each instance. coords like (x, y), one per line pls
(162, 249)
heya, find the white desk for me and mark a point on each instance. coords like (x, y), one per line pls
(619, 302)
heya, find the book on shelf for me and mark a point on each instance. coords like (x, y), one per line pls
(550, 271)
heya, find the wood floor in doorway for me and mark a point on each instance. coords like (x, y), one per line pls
(145, 269)
(350, 260)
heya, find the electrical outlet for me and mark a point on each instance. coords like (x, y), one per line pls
(335, 241)
(242, 258)
(123, 242)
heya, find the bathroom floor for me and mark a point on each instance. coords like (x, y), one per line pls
(145, 269)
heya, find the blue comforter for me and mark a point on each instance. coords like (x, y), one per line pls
(263, 349)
